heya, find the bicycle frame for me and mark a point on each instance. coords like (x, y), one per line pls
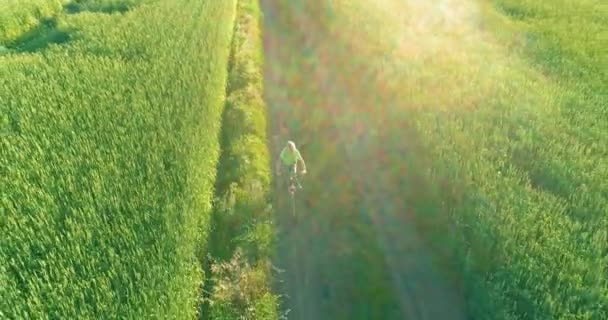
(291, 188)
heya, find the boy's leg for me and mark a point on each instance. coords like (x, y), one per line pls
(295, 175)
(290, 169)
(290, 175)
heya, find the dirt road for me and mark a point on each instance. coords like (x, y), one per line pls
(357, 250)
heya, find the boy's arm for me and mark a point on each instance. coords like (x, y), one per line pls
(303, 164)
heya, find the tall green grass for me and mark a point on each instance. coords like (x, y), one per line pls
(242, 239)
(108, 153)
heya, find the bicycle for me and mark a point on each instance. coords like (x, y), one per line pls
(293, 184)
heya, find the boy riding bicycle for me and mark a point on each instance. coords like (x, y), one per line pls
(289, 158)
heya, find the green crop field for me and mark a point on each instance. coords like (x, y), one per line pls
(108, 153)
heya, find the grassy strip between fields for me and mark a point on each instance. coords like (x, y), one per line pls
(242, 237)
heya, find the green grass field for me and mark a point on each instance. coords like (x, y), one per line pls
(108, 154)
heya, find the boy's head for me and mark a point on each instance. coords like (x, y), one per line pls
(291, 145)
